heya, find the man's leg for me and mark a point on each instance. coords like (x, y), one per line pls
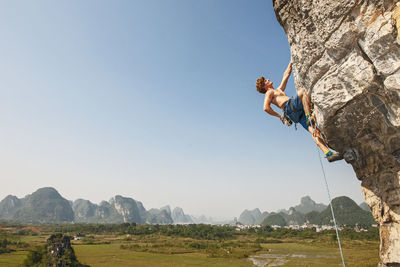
(318, 139)
(331, 156)
(305, 100)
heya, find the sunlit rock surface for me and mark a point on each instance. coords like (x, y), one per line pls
(346, 54)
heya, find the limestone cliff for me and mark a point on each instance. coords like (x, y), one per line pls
(346, 55)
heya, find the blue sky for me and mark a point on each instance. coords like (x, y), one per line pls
(153, 100)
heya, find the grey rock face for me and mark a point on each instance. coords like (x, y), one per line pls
(128, 208)
(159, 216)
(8, 207)
(167, 209)
(87, 212)
(179, 216)
(83, 209)
(346, 54)
(142, 210)
(120, 209)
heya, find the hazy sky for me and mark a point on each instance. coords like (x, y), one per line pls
(154, 100)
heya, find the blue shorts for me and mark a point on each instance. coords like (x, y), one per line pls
(297, 115)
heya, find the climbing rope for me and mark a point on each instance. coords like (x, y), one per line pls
(323, 172)
(330, 201)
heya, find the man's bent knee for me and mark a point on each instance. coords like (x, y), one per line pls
(300, 93)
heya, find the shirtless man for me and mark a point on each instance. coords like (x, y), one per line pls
(293, 109)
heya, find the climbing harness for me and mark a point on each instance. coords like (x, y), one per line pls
(330, 201)
(285, 116)
(289, 120)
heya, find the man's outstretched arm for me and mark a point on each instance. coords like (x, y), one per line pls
(286, 76)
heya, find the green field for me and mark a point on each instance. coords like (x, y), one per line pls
(289, 254)
(113, 248)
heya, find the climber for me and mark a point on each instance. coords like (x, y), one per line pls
(294, 109)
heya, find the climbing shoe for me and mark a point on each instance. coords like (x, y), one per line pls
(334, 157)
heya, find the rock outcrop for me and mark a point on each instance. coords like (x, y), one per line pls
(346, 54)
(60, 252)
(57, 252)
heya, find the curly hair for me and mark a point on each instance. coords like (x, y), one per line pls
(260, 85)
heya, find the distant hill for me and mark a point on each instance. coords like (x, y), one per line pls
(347, 212)
(129, 209)
(365, 206)
(249, 217)
(159, 216)
(9, 206)
(45, 205)
(275, 219)
(261, 218)
(167, 209)
(119, 209)
(294, 215)
(85, 210)
(180, 217)
(291, 217)
(311, 217)
(307, 205)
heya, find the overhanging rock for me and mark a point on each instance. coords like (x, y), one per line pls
(346, 54)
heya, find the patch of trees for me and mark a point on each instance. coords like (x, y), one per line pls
(36, 256)
(7, 245)
(267, 231)
(371, 234)
(3, 246)
(196, 231)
